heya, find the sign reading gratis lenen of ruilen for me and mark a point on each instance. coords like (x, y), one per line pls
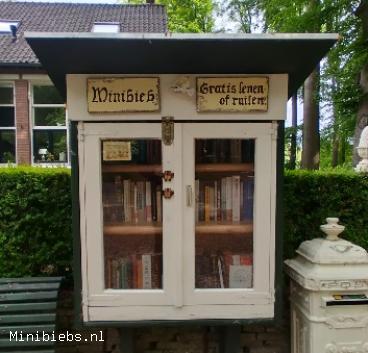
(123, 94)
(232, 94)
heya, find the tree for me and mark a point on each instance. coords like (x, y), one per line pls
(362, 114)
(334, 89)
(186, 15)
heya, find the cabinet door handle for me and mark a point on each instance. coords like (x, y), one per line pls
(189, 196)
(168, 193)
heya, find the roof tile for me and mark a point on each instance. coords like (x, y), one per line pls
(71, 17)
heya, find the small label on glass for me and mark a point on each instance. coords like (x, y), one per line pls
(116, 151)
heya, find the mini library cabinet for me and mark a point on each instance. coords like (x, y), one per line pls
(180, 231)
(177, 157)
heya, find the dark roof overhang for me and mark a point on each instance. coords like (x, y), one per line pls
(141, 53)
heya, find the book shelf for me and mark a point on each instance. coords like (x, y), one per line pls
(135, 229)
(132, 213)
(227, 229)
(224, 184)
(200, 168)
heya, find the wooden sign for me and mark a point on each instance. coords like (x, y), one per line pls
(128, 94)
(116, 150)
(232, 94)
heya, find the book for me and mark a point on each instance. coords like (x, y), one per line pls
(196, 195)
(148, 202)
(248, 191)
(146, 271)
(207, 204)
(235, 151)
(229, 200)
(159, 203)
(240, 276)
(235, 198)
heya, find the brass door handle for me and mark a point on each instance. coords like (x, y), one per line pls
(167, 175)
(168, 193)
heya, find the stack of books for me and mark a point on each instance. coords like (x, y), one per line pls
(140, 271)
(132, 201)
(228, 199)
(224, 270)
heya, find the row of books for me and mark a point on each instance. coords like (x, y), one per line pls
(224, 151)
(132, 201)
(134, 272)
(228, 199)
(224, 271)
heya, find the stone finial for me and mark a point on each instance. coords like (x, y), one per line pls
(362, 150)
(332, 229)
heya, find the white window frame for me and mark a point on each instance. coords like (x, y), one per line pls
(106, 27)
(5, 26)
(35, 127)
(10, 128)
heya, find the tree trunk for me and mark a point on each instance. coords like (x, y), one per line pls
(311, 138)
(294, 126)
(335, 148)
(362, 115)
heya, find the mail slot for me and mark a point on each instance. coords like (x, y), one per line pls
(345, 299)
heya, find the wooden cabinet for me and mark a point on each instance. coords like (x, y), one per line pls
(184, 231)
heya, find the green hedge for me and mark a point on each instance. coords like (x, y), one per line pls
(310, 197)
(35, 215)
(35, 221)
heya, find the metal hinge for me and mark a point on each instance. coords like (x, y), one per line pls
(167, 130)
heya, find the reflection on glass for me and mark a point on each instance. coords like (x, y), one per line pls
(7, 146)
(132, 213)
(6, 116)
(46, 95)
(49, 146)
(6, 94)
(49, 116)
(224, 189)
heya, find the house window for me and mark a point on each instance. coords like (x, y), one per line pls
(49, 126)
(7, 123)
(6, 26)
(106, 27)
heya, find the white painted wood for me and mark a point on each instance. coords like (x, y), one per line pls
(37, 78)
(169, 313)
(263, 233)
(93, 134)
(180, 105)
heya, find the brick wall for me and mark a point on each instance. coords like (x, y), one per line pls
(187, 339)
(22, 122)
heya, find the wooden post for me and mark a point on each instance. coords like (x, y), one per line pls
(230, 339)
(126, 340)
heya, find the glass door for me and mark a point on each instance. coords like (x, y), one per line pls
(129, 208)
(227, 227)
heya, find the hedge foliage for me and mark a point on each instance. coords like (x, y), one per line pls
(35, 221)
(310, 197)
(35, 215)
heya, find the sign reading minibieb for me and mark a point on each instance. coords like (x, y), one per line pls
(123, 94)
(232, 94)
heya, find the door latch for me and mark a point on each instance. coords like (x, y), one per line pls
(168, 193)
(167, 175)
(167, 130)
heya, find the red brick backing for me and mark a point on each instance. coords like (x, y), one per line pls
(22, 122)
